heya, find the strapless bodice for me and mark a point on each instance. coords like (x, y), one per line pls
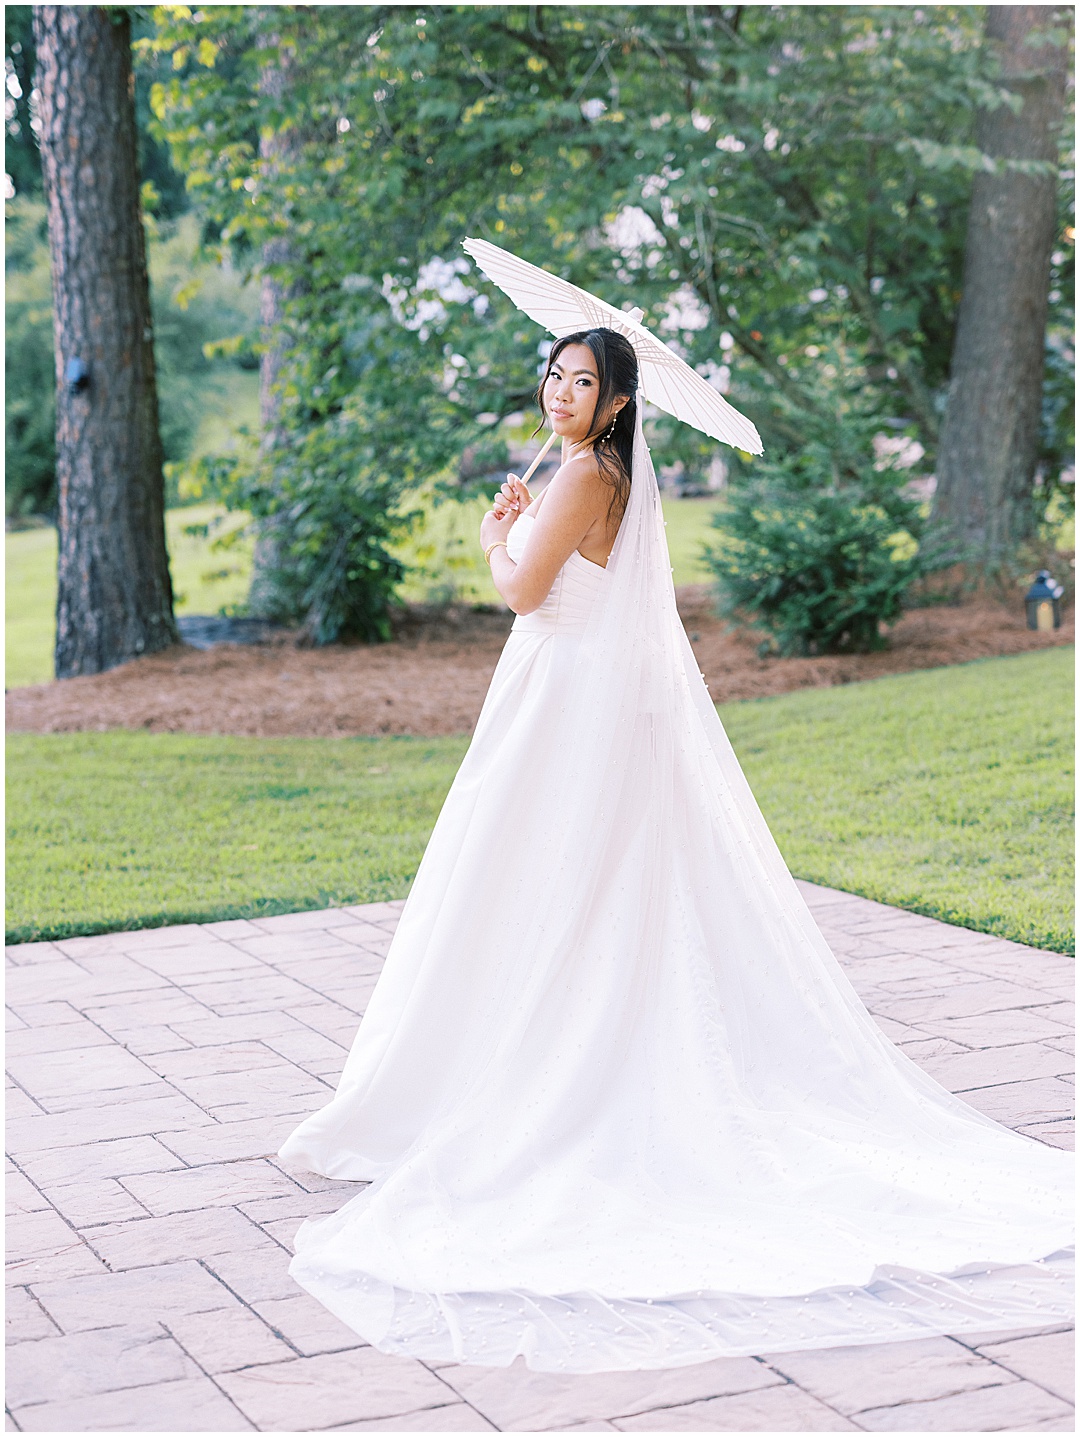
(568, 605)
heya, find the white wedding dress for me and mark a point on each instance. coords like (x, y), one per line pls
(619, 1106)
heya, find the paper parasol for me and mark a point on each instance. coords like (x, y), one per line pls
(665, 380)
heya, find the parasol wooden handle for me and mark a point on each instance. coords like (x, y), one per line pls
(532, 467)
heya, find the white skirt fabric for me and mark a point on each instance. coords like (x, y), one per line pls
(617, 1103)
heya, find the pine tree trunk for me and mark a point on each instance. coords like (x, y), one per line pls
(989, 443)
(114, 597)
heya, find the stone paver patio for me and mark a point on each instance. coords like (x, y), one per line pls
(153, 1075)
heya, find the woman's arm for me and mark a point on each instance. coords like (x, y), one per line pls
(574, 502)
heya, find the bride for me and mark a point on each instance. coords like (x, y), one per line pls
(617, 1104)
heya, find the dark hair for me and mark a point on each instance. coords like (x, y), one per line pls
(617, 371)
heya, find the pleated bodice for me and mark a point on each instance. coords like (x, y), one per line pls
(567, 607)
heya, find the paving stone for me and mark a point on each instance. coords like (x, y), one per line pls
(203, 1234)
(22, 1196)
(217, 1060)
(22, 954)
(329, 1019)
(113, 1158)
(993, 1030)
(86, 1205)
(306, 1325)
(246, 995)
(271, 946)
(40, 983)
(87, 1363)
(193, 1405)
(372, 936)
(230, 928)
(196, 960)
(150, 1040)
(1019, 1103)
(518, 1400)
(388, 912)
(52, 1076)
(770, 1409)
(300, 1204)
(963, 1000)
(81, 1304)
(172, 935)
(41, 1245)
(990, 1067)
(30, 1041)
(851, 1379)
(264, 1093)
(25, 1319)
(455, 1417)
(334, 969)
(316, 919)
(228, 1142)
(1049, 1361)
(216, 1185)
(212, 1031)
(257, 1275)
(206, 1007)
(1063, 1013)
(1016, 1407)
(228, 1339)
(1061, 1134)
(18, 1104)
(314, 1392)
(164, 1009)
(43, 1131)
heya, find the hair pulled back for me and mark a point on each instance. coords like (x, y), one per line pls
(617, 372)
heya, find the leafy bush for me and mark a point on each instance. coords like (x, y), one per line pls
(817, 555)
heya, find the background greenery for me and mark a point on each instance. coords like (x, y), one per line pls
(947, 792)
(442, 554)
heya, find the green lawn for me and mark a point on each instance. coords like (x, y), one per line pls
(947, 792)
(444, 552)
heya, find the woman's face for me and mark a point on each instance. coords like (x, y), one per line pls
(571, 391)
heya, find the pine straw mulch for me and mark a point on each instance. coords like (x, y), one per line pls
(433, 677)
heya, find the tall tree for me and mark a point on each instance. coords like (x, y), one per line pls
(990, 439)
(114, 597)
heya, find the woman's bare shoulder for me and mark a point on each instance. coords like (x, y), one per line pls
(578, 477)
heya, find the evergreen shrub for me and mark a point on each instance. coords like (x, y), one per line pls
(817, 555)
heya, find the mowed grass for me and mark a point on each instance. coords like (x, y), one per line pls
(443, 554)
(205, 580)
(947, 792)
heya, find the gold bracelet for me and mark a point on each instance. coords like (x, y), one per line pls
(499, 544)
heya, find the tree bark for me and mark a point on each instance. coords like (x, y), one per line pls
(114, 598)
(989, 442)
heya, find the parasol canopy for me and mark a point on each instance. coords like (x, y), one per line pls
(665, 380)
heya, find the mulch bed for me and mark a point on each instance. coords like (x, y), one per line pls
(433, 677)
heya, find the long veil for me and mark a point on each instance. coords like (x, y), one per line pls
(716, 1111)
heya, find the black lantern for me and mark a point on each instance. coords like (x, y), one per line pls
(1043, 601)
(76, 376)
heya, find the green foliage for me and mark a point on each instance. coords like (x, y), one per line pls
(765, 181)
(820, 547)
(932, 791)
(30, 376)
(193, 305)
